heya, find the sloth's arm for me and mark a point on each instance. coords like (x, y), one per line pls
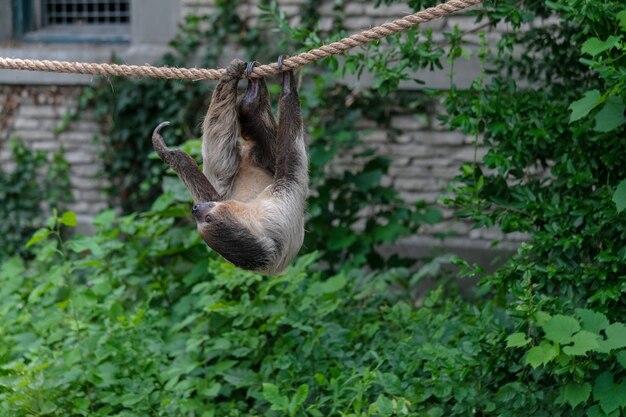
(221, 151)
(185, 167)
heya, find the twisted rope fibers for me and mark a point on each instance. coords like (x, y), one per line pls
(335, 48)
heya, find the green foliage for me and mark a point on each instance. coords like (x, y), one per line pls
(139, 319)
(557, 176)
(567, 341)
(26, 195)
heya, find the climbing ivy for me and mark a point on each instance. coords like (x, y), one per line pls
(27, 195)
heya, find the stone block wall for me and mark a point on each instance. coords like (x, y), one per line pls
(33, 114)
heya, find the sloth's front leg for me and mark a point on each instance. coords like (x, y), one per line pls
(185, 167)
(221, 151)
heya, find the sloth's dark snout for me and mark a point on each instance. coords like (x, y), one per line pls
(201, 209)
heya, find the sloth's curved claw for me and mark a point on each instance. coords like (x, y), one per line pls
(279, 62)
(249, 68)
(161, 125)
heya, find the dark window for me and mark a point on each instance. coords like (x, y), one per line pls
(85, 12)
(72, 21)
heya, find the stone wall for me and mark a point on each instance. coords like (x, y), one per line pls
(33, 114)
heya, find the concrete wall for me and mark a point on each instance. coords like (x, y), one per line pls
(6, 16)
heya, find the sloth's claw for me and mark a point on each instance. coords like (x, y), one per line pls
(249, 68)
(279, 61)
(161, 125)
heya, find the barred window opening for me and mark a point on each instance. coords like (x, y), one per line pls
(85, 12)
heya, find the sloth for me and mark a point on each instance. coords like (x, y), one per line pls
(250, 197)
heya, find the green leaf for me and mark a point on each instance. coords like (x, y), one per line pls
(86, 243)
(594, 46)
(212, 390)
(517, 340)
(165, 200)
(621, 18)
(615, 338)
(611, 115)
(435, 412)
(541, 317)
(38, 236)
(560, 328)
(176, 188)
(391, 383)
(619, 197)
(340, 238)
(580, 108)
(610, 395)
(596, 411)
(541, 354)
(384, 405)
(592, 321)
(68, 219)
(104, 219)
(584, 341)
(574, 394)
(329, 286)
(432, 215)
(389, 232)
(366, 180)
(621, 358)
(271, 394)
(298, 399)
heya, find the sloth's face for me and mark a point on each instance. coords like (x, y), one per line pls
(227, 228)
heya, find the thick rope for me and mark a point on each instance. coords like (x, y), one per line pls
(149, 71)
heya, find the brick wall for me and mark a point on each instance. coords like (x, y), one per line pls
(32, 113)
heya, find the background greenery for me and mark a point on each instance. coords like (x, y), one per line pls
(27, 193)
(141, 319)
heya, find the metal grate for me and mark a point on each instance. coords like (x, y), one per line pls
(85, 12)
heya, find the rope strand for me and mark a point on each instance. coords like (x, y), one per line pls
(335, 48)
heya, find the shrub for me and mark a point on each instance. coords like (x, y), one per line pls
(26, 195)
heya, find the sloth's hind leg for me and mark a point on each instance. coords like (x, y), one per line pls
(291, 159)
(257, 122)
(221, 151)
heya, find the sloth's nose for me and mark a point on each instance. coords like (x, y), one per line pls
(207, 206)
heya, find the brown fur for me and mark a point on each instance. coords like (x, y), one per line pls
(251, 197)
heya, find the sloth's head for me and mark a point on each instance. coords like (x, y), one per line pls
(228, 227)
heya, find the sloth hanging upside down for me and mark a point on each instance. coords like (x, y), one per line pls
(250, 200)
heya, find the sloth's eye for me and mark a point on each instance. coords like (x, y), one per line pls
(208, 219)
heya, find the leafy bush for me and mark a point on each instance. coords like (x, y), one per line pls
(555, 165)
(26, 195)
(141, 320)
